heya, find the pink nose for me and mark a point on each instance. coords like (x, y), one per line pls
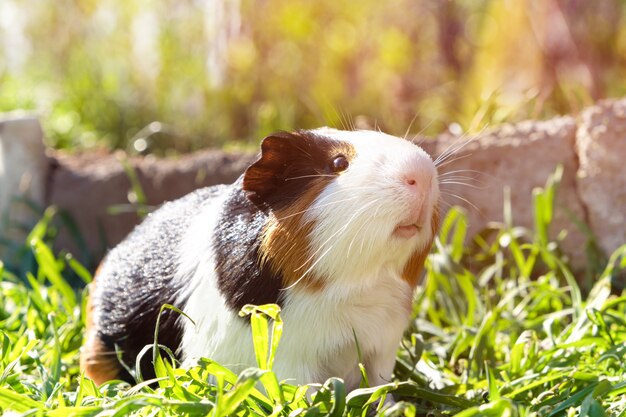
(418, 187)
(417, 183)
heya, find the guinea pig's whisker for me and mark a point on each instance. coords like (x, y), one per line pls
(447, 154)
(340, 230)
(457, 175)
(406, 133)
(462, 178)
(457, 178)
(346, 120)
(354, 238)
(461, 198)
(359, 230)
(360, 187)
(462, 183)
(446, 204)
(473, 174)
(324, 118)
(449, 161)
(110, 352)
(98, 358)
(456, 171)
(304, 151)
(331, 202)
(310, 176)
(320, 205)
(443, 155)
(454, 147)
(422, 130)
(352, 189)
(309, 269)
(357, 234)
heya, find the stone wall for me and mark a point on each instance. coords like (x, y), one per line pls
(91, 186)
(519, 157)
(591, 147)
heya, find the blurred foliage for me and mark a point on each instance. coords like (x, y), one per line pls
(183, 74)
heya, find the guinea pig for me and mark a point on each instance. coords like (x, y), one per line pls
(334, 226)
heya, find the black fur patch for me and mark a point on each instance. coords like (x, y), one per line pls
(136, 280)
(289, 162)
(241, 280)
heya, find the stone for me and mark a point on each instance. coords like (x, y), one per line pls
(521, 157)
(23, 168)
(601, 146)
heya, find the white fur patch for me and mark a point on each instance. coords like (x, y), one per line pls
(355, 216)
(218, 333)
(322, 330)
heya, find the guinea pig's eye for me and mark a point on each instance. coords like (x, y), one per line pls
(340, 163)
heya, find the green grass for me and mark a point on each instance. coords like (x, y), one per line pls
(501, 328)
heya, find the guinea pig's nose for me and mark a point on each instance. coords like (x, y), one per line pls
(416, 176)
(417, 183)
(417, 189)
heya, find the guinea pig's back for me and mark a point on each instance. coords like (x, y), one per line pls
(133, 282)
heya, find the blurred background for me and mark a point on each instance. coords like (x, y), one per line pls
(178, 75)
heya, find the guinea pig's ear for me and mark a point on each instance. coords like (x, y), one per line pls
(264, 177)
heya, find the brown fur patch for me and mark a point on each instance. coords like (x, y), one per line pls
(96, 360)
(285, 246)
(415, 264)
(294, 168)
(288, 163)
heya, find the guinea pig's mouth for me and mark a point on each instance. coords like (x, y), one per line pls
(407, 231)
